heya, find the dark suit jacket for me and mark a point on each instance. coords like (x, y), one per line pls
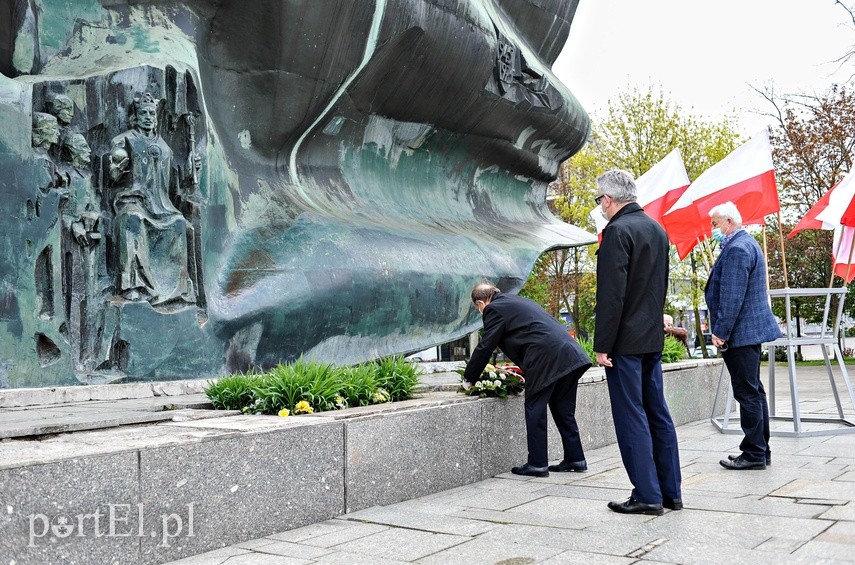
(531, 338)
(736, 294)
(632, 278)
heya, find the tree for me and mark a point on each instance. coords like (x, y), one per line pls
(567, 274)
(812, 147)
(639, 130)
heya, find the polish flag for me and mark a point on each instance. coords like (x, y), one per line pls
(835, 210)
(842, 254)
(746, 177)
(810, 221)
(661, 186)
(656, 190)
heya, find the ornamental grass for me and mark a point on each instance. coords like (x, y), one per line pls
(306, 387)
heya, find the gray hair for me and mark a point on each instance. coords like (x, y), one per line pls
(728, 210)
(484, 291)
(617, 184)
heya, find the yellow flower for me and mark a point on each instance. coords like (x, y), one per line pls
(284, 412)
(380, 396)
(303, 407)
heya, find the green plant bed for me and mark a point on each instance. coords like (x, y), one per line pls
(304, 387)
(816, 362)
(672, 351)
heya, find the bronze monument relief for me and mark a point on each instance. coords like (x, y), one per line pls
(198, 186)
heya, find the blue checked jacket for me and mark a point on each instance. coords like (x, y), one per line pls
(736, 295)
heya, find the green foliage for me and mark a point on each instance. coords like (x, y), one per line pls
(234, 391)
(643, 127)
(673, 350)
(812, 147)
(639, 129)
(358, 384)
(306, 386)
(398, 377)
(588, 346)
(536, 287)
(287, 385)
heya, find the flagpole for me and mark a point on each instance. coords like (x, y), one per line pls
(704, 257)
(783, 251)
(849, 261)
(766, 254)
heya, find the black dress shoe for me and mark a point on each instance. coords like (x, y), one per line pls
(742, 464)
(531, 471)
(673, 503)
(768, 458)
(565, 466)
(632, 506)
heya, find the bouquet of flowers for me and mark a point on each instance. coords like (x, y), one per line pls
(495, 382)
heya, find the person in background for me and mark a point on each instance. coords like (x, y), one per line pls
(552, 363)
(741, 320)
(632, 279)
(680, 334)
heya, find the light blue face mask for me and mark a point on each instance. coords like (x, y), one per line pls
(717, 235)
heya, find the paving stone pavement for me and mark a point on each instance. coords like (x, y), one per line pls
(801, 509)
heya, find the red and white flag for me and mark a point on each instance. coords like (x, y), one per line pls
(746, 177)
(810, 221)
(835, 210)
(842, 254)
(661, 186)
(656, 190)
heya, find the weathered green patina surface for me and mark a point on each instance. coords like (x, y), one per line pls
(267, 180)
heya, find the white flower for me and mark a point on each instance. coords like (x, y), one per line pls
(497, 383)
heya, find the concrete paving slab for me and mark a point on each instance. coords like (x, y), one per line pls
(402, 544)
(432, 523)
(588, 558)
(328, 530)
(701, 552)
(216, 557)
(490, 499)
(842, 512)
(825, 552)
(817, 489)
(61, 420)
(348, 558)
(293, 550)
(621, 543)
(484, 552)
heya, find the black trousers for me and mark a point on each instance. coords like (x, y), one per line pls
(743, 364)
(644, 428)
(560, 397)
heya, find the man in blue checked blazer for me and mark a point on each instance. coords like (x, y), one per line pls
(741, 318)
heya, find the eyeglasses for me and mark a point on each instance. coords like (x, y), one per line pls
(599, 199)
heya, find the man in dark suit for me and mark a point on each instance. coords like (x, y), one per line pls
(632, 278)
(741, 320)
(552, 362)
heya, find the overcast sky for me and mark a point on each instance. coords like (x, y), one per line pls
(705, 54)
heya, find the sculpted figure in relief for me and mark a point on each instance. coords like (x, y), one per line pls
(150, 233)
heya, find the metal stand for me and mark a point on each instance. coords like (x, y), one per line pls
(826, 338)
